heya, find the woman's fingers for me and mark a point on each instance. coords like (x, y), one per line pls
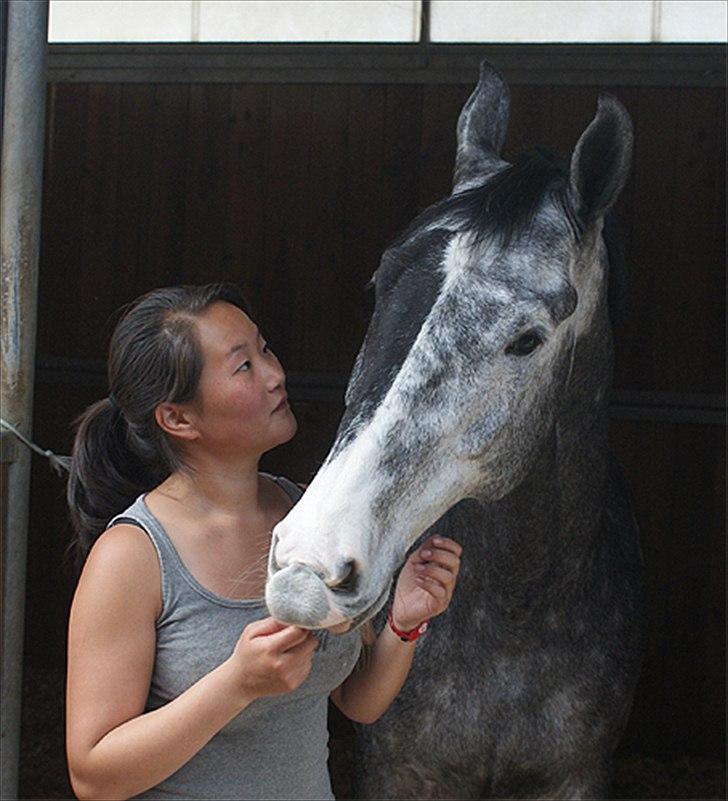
(288, 638)
(446, 544)
(265, 627)
(443, 575)
(442, 544)
(436, 581)
(445, 558)
(307, 646)
(433, 587)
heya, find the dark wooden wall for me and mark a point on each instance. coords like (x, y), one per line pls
(293, 190)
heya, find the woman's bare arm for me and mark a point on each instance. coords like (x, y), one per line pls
(424, 589)
(115, 749)
(370, 689)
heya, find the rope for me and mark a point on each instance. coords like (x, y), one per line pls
(58, 463)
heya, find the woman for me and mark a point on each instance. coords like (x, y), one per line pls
(179, 685)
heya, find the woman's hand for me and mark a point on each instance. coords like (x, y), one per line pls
(271, 658)
(426, 582)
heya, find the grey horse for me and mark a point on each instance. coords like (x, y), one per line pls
(477, 409)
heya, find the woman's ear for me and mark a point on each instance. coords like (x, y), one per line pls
(176, 420)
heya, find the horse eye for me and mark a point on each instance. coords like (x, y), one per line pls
(525, 344)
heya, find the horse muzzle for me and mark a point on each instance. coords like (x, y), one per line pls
(298, 596)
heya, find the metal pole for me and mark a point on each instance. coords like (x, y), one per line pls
(20, 210)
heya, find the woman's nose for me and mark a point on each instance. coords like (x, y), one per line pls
(276, 377)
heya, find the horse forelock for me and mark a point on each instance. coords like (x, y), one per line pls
(504, 205)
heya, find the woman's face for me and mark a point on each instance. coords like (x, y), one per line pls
(237, 408)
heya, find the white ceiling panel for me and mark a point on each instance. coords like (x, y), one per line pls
(694, 21)
(120, 21)
(540, 21)
(309, 20)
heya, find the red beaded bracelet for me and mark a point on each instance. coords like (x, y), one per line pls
(407, 636)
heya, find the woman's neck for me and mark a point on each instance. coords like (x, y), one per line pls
(217, 489)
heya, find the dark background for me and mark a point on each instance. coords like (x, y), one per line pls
(290, 180)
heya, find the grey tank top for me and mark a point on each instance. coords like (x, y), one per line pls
(277, 747)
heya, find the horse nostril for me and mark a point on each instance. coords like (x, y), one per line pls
(347, 579)
(273, 566)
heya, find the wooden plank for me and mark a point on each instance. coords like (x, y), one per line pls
(692, 290)
(165, 241)
(206, 172)
(62, 218)
(363, 202)
(698, 612)
(100, 220)
(400, 158)
(674, 473)
(285, 231)
(328, 386)
(322, 279)
(249, 166)
(652, 244)
(134, 189)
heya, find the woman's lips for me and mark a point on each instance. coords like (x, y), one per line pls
(281, 405)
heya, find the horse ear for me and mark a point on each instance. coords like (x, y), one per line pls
(601, 160)
(482, 128)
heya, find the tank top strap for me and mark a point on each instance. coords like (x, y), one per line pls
(291, 489)
(139, 515)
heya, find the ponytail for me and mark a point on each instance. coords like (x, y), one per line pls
(119, 451)
(106, 476)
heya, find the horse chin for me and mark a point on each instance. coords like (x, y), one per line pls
(359, 620)
(363, 617)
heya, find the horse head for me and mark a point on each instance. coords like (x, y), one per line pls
(466, 362)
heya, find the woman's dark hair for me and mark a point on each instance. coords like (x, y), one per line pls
(119, 451)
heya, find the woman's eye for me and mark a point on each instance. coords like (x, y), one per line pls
(243, 367)
(525, 344)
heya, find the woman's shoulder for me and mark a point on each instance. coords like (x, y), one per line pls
(122, 539)
(123, 560)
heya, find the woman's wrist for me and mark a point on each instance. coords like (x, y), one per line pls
(404, 625)
(403, 628)
(402, 622)
(389, 634)
(229, 675)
